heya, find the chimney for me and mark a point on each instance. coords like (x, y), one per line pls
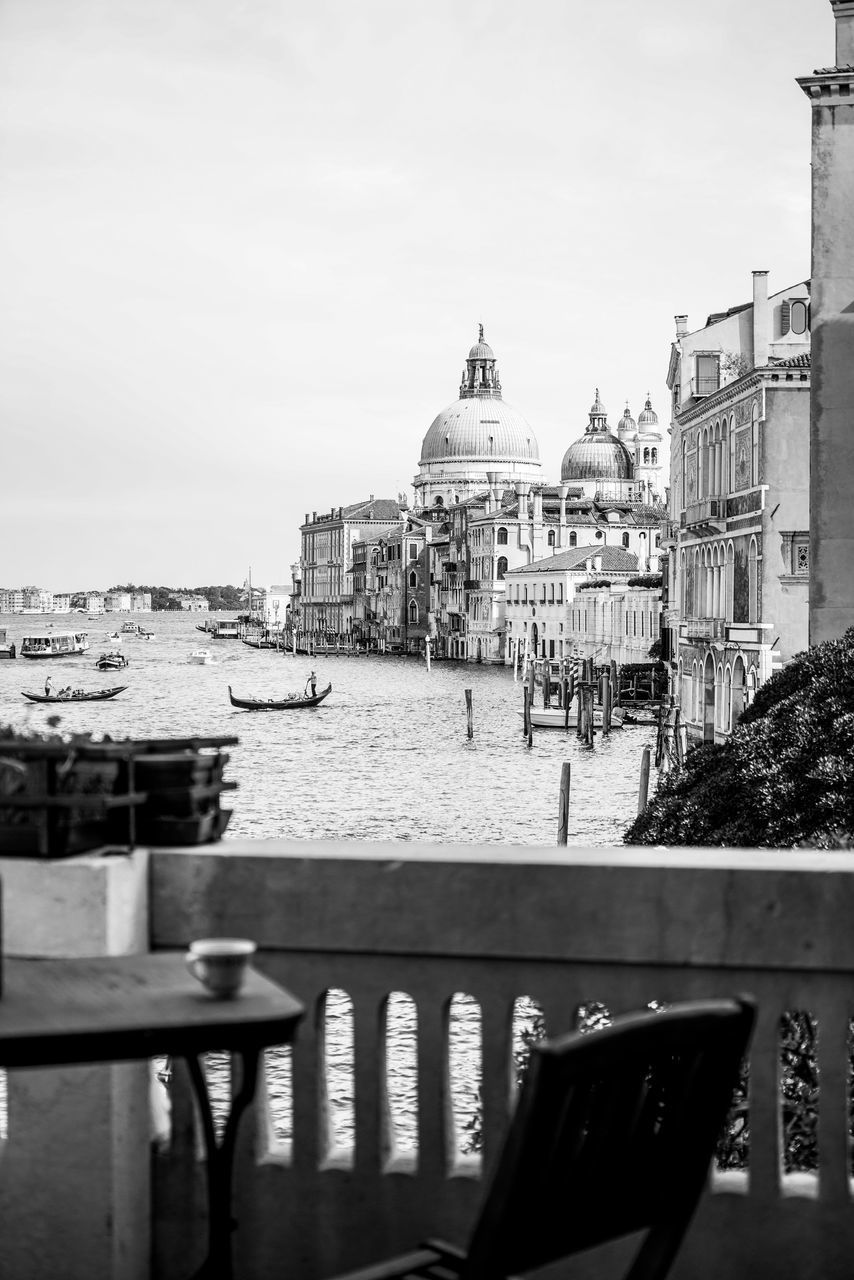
(681, 326)
(760, 316)
(597, 562)
(313, 517)
(538, 506)
(843, 12)
(306, 518)
(563, 490)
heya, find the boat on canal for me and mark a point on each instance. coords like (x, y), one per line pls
(203, 657)
(7, 648)
(556, 717)
(221, 629)
(76, 695)
(112, 661)
(283, 704)
(54, 644)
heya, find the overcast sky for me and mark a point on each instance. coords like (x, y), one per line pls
(245, 245)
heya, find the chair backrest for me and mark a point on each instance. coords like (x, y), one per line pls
(614, 1132)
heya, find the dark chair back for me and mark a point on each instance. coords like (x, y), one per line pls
(614, 1132)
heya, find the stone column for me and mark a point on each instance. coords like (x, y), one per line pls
(75, 1169)
(831, 93)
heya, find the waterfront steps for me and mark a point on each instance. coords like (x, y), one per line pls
(563, 927)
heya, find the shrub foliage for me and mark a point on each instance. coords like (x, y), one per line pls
(786, 775)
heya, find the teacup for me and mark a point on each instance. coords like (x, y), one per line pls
(220, 964)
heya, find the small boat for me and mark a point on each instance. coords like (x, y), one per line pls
(130, 628)
(256, 643)
(76, 695)
(203, 657)
(285, 704)
(7, 648)
(223, 629)
(555, 717)
(54, 644)
(112, 661)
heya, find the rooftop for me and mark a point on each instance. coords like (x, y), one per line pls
(614, 560)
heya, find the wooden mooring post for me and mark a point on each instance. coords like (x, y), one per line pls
(643, 790)
(563, 803)
(606, 705)
(469, 714)
(427, 651)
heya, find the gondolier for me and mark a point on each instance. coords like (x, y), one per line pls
(311, 681)
(47, 687)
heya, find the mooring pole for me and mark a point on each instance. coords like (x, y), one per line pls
(469, 714)
(643, 790)
(563, 803)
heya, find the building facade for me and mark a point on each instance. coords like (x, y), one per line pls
(738, 529)
(326, 555)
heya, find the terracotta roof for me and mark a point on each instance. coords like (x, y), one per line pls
(800, 361)
(614, 560)
(373, 509)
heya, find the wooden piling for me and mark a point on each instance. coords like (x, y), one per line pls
(563, 803)
(526, 710)
(643, 790)
(427, 652)
(469, 714)
(606, 705)
(567, 703)
(591, 722)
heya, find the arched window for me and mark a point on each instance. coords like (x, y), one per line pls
(560, 593)
(543, 593)
(413, 611)
(752, 583)
(754, 447)
(654, 457)
(502, 567)
(573, 538)
(726, 714)
(684, 471)
(646, 455)
(551, 538)
(438, 502)
(799, 316)
(625, 539)
(525, 597)
(502, 537)
(413, 580)
(737, 690)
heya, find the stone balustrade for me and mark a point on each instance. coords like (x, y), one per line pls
(563, 927)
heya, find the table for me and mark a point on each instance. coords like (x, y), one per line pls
(115, 1009)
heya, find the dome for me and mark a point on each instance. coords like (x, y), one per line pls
(481, 351)
(627, 422)
(597, 455)
(647, 416)
(484, 428)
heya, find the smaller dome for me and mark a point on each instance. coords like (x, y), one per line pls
(597, 457)
(481, 351)
(647, 416)
(627, 422)
(597, 409)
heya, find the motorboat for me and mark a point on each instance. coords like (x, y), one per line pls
(556, 717)
(54, 644)
(292, 703)
(203, 657)
(112, 661)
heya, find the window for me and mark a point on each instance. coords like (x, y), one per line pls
(654, 457)
(413, 580)
(502, 537)
(501, 567)
(625, 539)
(707, 378)
(413, 611)
(560, 593)
(800, 317)
(752, 583)
(413, 551)
(754, 447)
(438, 502)
(551, 593)
(551, 538)
(543, 593)
(646, 455)
(573, 538)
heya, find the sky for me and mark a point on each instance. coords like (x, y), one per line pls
(245, 246)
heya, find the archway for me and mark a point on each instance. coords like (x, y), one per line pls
(738, 683)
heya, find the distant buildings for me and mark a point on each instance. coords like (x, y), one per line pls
(38, 600)
(390, 578)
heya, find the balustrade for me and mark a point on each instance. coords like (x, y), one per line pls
(621, 927)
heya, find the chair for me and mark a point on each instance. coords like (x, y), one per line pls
(613, 1133)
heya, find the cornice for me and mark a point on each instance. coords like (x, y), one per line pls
(829, 86)
(726, 395)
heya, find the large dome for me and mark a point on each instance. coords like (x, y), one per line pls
(478, 428)
(598, 454)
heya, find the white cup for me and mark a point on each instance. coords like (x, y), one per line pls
(220, 964)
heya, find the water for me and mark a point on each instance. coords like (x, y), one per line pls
(386, 757)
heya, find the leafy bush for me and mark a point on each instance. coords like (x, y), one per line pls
(786, 775)
(645, 580)
(593, 586)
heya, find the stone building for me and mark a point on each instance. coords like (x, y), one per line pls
(738, 530)
(326, 543)
(831, 460)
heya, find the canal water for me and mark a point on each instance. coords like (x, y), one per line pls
(386, 757)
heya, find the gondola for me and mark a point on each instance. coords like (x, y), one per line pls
(270, 704)
(76, 695)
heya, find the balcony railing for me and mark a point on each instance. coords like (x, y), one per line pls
(705, 628)
(706, 511)
(500, 924)
(562, 928)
